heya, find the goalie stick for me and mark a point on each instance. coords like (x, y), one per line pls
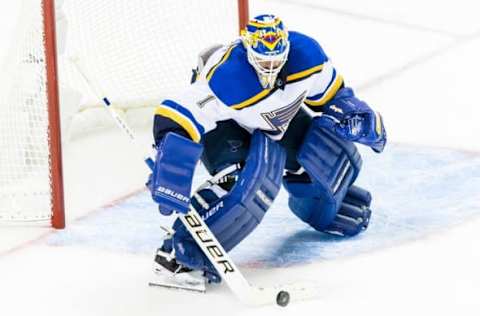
(205, 239)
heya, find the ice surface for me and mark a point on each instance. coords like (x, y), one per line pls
(416, 62)
(433, 190)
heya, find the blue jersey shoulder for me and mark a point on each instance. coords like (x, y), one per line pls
(305, 54)
(232, 79)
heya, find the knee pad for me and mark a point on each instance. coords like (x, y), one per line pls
(318, 196)
(233, 215)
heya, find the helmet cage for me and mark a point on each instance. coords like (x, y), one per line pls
(266, 41)
(267, 66)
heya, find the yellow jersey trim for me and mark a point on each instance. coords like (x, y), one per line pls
(224, 58)
(181, 120)
(328, 95)
(266, 92)
(305, 73)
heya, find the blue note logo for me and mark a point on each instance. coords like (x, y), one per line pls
(280, 118)
(235, 145)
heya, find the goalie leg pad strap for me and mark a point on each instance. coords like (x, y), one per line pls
(233, 216)
(317, 196)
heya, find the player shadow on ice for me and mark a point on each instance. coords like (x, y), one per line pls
(297, 248)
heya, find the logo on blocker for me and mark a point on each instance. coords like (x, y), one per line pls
(173, 194)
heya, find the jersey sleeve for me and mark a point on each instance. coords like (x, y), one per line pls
(326, 85)
(196, 110)
(307, 59)
(191, 113)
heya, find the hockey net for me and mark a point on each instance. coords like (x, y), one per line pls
(135, 52)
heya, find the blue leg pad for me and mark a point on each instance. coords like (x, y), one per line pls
(307, 201)
(358, 196)
(323, 196)
(235, 215)
(331, 162)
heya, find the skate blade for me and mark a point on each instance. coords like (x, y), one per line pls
(179, 282)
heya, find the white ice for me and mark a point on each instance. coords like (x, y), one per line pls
(417, 63)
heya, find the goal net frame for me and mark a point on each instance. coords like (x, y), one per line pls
(53, 100)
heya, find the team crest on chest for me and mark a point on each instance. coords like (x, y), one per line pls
(280, 118)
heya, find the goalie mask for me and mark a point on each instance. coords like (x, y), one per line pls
(266, 41)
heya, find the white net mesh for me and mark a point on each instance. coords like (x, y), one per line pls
(136, 52)
(24, 155)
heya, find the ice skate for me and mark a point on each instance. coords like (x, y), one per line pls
(168, 273)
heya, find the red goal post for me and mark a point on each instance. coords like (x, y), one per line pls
(243, 13)
(54, 130)
(32, 98)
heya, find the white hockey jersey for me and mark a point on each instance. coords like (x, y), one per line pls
(228, 88)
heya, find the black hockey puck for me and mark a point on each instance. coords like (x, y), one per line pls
(283, 298)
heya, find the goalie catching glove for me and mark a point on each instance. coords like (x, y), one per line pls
(353, 120)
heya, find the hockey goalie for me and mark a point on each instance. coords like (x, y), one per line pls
(267, 110)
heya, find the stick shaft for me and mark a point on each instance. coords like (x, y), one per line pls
(121, 123)
(196, 226)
